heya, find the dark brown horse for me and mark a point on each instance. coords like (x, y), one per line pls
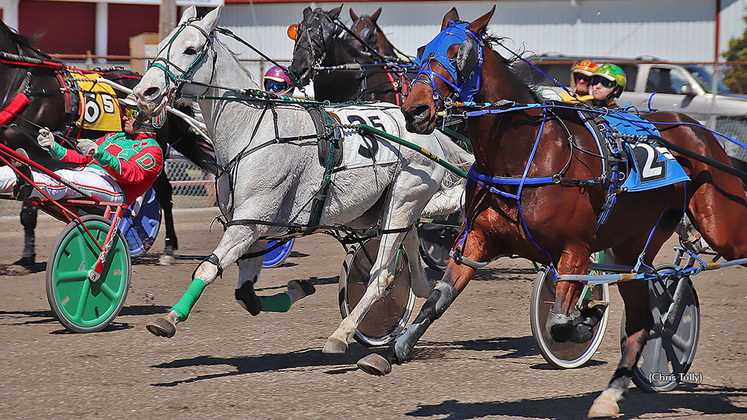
(555, 223)
(36, 93)
(322, 40)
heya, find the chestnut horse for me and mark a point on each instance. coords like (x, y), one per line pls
(556, 223)
(324, 41)
(34, 96)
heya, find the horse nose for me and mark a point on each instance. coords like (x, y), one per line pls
(151, 92)
(418, 113)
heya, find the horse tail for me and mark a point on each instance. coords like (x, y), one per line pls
(182, 137)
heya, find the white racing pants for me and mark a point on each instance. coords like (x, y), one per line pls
(97, 183)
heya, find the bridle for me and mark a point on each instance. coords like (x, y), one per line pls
(465, 87)
(316, 45)
(184, 76)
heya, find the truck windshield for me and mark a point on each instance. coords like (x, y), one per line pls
(705, 77)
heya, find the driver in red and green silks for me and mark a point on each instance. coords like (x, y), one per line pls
(118, 167)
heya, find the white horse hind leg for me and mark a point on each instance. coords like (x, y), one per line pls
(382, 275)
(234, 243)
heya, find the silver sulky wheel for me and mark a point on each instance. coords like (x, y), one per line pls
(389, 315)
(567, 355)
(670, 349)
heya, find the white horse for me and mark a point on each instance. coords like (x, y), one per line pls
(275, 173)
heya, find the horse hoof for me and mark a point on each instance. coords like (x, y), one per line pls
(335, 346)
(375, 364)
(162, 327)
(166, 260)
(603, 408)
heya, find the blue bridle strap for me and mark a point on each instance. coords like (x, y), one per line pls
(455, 32)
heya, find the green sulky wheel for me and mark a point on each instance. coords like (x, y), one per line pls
(80, 304)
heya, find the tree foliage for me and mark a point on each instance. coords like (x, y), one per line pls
(736, 78)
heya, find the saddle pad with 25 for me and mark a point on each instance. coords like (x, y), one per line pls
(361, 150)
(654, 166)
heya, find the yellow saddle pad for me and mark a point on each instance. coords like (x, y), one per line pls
(99, 106)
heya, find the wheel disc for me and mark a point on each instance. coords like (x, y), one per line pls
(388, 315)
(80, 304)
(670, 350)
(567, 355)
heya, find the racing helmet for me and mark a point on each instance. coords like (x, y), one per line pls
(585, 67)
(612, 72)
(276, 80)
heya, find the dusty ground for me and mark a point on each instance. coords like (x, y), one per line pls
(477, 362)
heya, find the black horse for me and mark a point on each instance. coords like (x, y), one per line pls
(37, 92)
(323, 41)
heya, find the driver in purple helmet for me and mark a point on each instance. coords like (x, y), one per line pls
(276, 81)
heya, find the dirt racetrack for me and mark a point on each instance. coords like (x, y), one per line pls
(478, 361)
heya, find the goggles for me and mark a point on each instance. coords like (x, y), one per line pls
(580, 76)
(275, 87)
(605, 82)
(131, 113)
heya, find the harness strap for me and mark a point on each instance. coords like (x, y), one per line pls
(15, 106)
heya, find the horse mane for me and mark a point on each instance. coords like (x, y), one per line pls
(24, 42)
(520, 72)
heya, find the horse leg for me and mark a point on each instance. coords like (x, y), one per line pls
(164, 195)
(573, 260)
(249, 269)
(454, 280)
(236, 240)
(382, 275)
(638, 321)
(28, 221)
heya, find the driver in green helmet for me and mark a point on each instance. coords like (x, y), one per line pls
(607, 83)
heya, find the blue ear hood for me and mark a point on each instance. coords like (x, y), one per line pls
(455, 32)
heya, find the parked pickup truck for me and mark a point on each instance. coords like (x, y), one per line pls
(666, 86)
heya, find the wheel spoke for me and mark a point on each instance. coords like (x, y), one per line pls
(108, 292)
(83, 298)
(70, 276)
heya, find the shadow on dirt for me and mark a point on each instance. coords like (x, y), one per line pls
(315, 281)
(314, 358)
(46, 317)
(306, 358)
(515, 347)
(703, 400)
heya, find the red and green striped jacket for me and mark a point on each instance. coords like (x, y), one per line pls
(133, 160)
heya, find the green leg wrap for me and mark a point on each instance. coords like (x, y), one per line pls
(189, 299)
(276, 303)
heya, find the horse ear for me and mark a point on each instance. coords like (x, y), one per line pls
(478, 25)
(353, 16)
(335, 13)
(375, 15)
(449, 16)
(306, 11)
(190, 13)
(210, 21)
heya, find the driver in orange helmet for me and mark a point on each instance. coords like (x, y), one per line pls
(581, 81)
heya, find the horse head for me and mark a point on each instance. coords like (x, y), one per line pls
(450, 67)
(314, 41)
(368, 31)
(183, 58)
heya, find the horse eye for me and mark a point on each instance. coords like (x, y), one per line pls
(190, 51)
